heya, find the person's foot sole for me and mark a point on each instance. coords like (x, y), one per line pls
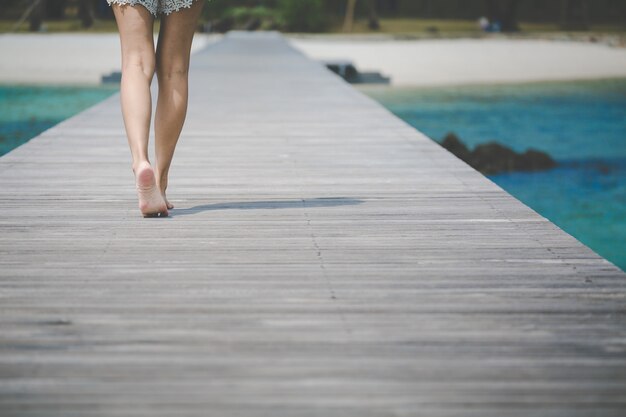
(151, 202)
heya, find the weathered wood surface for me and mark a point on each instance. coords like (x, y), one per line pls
(324, 259)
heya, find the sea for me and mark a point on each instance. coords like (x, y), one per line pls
(581, 124)
(26, 111)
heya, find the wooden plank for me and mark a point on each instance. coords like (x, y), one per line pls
(324, 258)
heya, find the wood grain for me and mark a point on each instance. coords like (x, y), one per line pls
(324, 259)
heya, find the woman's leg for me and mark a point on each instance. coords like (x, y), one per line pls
(135, 25)
(172, 68)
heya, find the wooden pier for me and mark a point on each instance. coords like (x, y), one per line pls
(323, 259)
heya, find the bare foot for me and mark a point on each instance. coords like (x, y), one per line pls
(162, 184)
(151, 202)
(167, 203)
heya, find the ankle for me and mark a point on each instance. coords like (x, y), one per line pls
(161, 176)
(139, 164)
(162, 186)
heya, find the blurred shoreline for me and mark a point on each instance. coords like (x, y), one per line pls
(66, 58)
(489, 59)
(609, 38)
(82, 59)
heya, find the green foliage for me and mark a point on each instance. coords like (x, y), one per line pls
(303, 15)
(12, 9)
(242, 14)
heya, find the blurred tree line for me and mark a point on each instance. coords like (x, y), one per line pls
(319, 15)
(316, 15)
(36, 11)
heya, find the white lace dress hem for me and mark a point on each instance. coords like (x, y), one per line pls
(156, 7)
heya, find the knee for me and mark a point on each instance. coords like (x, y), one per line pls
(169, 71)
(143, 62)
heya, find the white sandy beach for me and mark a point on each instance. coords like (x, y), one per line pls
(84, 58)
(65, 58)
(470, 61)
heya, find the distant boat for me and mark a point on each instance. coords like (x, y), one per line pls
(112, 78)
(348, 71)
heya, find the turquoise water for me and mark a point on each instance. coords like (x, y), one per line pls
(580, 124)
(26, 111)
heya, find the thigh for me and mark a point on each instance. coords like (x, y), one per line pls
(135, 24)
(175, 37)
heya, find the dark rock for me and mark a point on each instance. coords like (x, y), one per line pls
(494, 158)
(534, 160)
(452, 143)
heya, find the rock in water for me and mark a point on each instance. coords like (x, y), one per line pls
(534, 160)
(452, 143)
(494, 158)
